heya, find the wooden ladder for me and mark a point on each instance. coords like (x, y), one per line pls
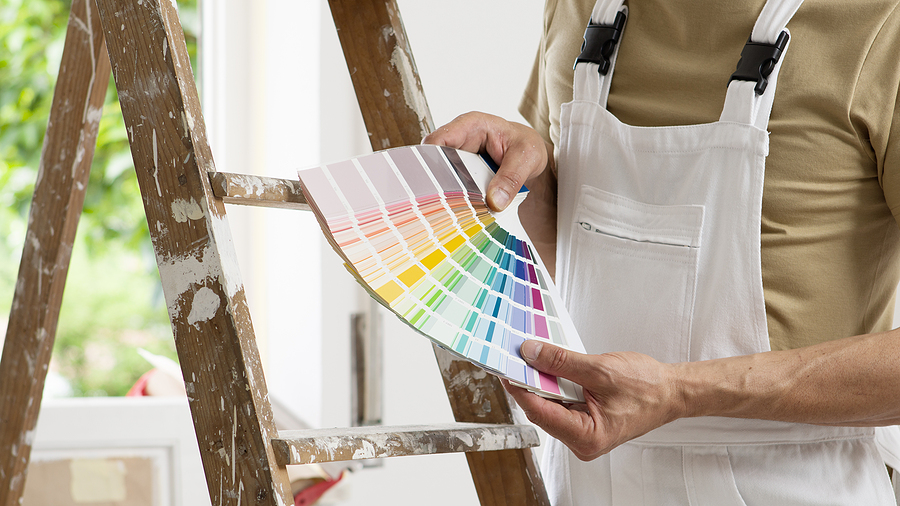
(244, 457)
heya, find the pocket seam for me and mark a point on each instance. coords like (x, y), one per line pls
(593, 204)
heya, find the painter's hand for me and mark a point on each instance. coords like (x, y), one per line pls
(627, 395)
(520, 151)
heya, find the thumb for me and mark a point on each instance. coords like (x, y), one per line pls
(554, 360)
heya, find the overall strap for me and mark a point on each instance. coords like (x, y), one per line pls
(594, 66)
(751, 90)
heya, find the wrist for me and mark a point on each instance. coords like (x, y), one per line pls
(707, 388)
(732, 387)
(684, 396)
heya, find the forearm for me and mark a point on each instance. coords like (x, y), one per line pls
(853, 381)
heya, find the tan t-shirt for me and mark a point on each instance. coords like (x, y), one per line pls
(830, 240)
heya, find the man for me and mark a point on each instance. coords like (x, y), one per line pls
(739, 324)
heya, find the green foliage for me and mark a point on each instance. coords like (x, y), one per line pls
(112, 302)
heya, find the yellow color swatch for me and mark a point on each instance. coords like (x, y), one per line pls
(474, 229)
(431, 261)
(454, 243)
(411, 275)
(389, 291)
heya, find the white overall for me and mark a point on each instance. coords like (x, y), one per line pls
(659, 253)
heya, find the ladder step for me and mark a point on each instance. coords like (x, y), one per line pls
(248, 190)
(355, 443)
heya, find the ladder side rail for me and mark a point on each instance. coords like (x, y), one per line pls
(59, 191)
(396, 113)
(195, 253)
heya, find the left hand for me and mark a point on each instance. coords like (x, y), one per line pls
(520, 151)
(627, 395)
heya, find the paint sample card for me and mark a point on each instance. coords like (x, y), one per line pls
(413, 227)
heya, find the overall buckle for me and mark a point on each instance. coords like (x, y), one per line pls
(600, 42)
(758, 60)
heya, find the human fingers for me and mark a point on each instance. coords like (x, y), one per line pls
(520, 151)
(558, 361)
(575, 425)
(468, 132)
(522, 154)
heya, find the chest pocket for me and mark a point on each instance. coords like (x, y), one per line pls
(632, 274)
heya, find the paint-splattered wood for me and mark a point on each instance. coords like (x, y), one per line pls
(195, 253)
(355, 443)
(508, 477)
(58, 200)
(247, 190)
(383, 71)
(396, 113)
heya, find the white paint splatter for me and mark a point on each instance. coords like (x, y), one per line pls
(179, 273)
(233, 443)
(156, 165)
(203, 307)
(254, 184)
(94, 114)
(231, 271)
(182, 210)
(413, 96)
(79, 154)
(367, 451)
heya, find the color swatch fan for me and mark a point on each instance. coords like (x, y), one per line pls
(412, 225)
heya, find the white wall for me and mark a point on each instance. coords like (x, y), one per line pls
(279, 98)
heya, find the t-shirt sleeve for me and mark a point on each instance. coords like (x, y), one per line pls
(889, 165)
(879, 88)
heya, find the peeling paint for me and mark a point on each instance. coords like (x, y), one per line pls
(94, 114)
(182, 210)
(233, 439)
(156, 165)
(203, 307)
(230, 275)
(366, 452)
(79, 154)
(180, 273)
(414, 97)
(467, 379)
(351, 444)
(253, 184)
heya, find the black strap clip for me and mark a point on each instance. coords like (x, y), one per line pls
(758, 60)
(600, 42)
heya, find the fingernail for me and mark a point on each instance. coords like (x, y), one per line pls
(500, 198)
(530, 350)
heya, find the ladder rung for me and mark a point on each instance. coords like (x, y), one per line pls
(355, 443)
(248, 190)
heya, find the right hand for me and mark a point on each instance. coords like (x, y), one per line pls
(626, 395)
(520, 151)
